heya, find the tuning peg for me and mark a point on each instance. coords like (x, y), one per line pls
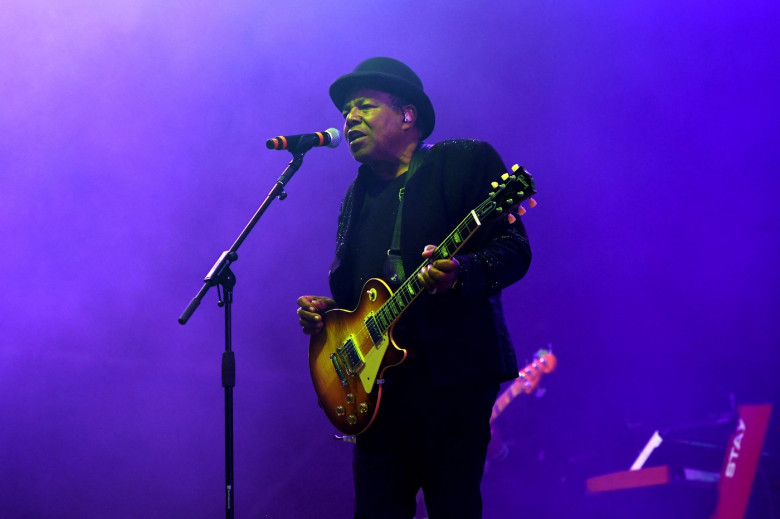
(532, 202)
(494, 185)
(505, 176)
(511, 218)
(515, 168)
(521, 210)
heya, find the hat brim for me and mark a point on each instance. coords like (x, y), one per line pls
(349, 83)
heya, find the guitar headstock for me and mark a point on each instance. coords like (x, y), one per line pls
(543, 363)
(508, 194)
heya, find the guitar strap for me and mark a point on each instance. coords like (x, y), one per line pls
(394, 267)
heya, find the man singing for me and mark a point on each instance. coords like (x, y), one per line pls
(433, 426)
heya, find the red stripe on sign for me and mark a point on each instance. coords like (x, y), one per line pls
(741, 460)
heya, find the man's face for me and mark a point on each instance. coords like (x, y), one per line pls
(373, 127)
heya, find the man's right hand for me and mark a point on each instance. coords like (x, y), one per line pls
(310, 312)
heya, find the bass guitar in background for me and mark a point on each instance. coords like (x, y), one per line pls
(526, 383)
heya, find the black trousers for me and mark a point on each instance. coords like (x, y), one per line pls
(428, 437)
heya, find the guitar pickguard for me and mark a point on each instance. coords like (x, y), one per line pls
(372, 363)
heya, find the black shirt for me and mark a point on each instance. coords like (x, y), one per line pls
(373, 232)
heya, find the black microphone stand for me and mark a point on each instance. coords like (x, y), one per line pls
(220, 275)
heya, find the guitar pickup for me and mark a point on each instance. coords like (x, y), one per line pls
(373, 330)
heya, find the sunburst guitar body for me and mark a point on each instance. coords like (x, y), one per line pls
(347, 365)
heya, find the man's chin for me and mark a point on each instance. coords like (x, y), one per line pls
(360, 153)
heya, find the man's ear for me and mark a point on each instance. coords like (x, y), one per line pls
(409, 116)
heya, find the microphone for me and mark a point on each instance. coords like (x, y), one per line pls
(304, 142)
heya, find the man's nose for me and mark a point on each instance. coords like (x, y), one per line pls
(353, 118)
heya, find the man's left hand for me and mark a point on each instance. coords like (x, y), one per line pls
(440, 275)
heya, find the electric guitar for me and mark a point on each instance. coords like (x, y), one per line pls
(349, 356)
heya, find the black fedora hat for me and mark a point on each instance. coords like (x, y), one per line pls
(391, 76)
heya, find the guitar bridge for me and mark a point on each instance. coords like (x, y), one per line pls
(339, 370)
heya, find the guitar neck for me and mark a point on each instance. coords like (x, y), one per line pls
(506, 398)
(517, 188)
(412, 287)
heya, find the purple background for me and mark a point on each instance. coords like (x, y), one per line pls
(132, 154)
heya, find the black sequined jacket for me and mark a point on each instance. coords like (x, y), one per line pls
(461, 335)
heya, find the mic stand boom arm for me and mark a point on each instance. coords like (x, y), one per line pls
(220, 275)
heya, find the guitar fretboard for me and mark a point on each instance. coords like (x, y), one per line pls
(412, 287)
